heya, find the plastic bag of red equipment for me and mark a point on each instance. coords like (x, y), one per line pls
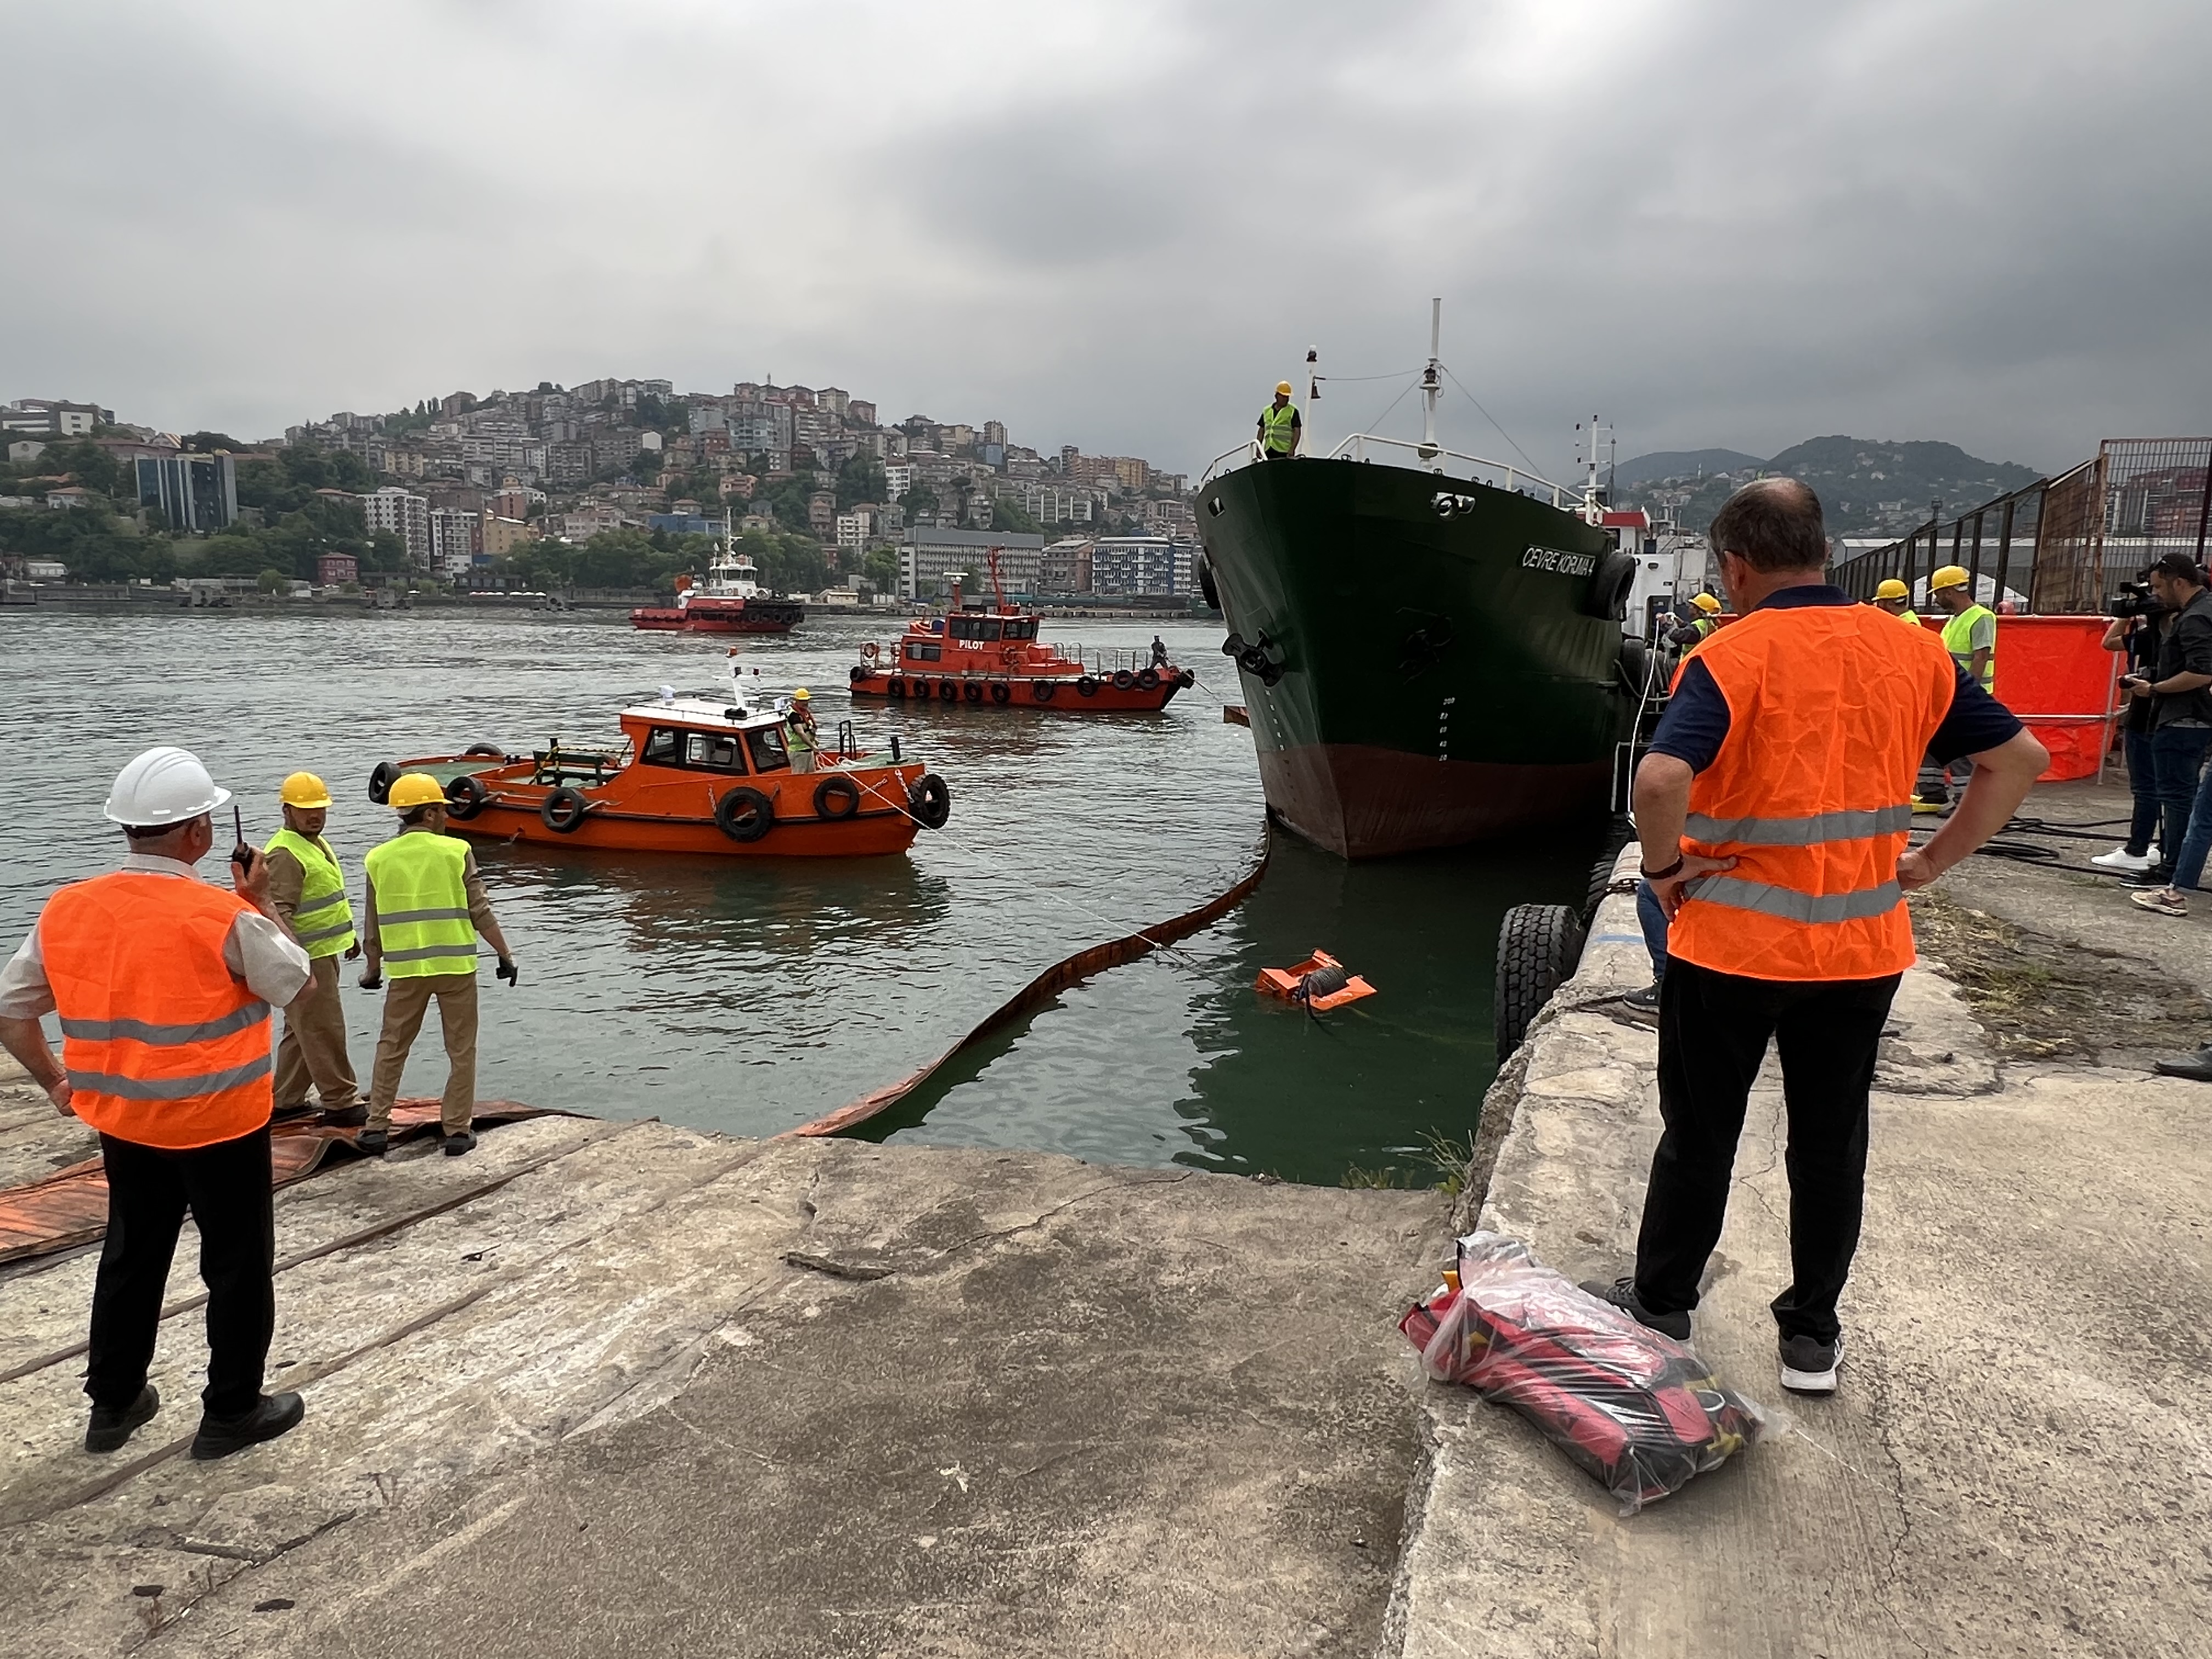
(1639, 1410)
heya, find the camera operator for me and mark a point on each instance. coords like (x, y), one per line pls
(2180, 692)
(2138, 627)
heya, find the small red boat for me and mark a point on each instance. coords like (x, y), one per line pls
(989, 657)
(730, 601)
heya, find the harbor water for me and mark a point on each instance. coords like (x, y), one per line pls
(749, 995)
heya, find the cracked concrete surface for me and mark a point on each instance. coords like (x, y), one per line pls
(2019, 1460)
(662, 1392)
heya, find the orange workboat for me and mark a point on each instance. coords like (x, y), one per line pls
(989, 657)
(691, 776)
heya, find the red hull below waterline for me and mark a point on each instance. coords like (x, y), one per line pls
(1362, 802)
(1057, 693)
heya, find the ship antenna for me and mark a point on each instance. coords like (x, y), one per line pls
(1431, 382)
(1314, 377)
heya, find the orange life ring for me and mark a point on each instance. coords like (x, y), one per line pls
(871, 651)
(1010, 655)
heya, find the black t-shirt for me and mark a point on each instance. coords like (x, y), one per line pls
(2187, 649)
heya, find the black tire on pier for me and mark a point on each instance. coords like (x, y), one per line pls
(1618, 834)
(464, 798)
(836, 797)
(381, 780)
(564, 809)
(1538, 946)
(743, 814)
(930, 801)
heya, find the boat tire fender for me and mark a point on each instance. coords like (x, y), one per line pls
(898, 685)
(563, 810)
(1186, 679)
(1609, 585)
(835, 797)
(1044, 690)
(484, 751)
(745, 814)
(860, 672)
(1538, 946)
(949, 690)
(381, 780)
(1635, 663)
(465, 796)
(1123, 679)
(930, 800)
(1087, 686)
(1205, 582)
(1001, 692)
(1148, 679)
(974, 688)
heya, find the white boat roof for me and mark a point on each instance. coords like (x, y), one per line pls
(699, 712)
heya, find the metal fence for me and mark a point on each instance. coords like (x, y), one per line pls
(2063, 544)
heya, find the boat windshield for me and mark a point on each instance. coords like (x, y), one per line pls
(769, 752)
(974, 628)
(711, 751)
(1021, 628)
(924, 651)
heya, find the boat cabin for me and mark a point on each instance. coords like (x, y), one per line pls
(688, 734)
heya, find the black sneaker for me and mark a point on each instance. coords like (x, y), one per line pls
(1809, 1367)
(2198, 1067)
(465, 1141)
(346, 1117)
(272, 1414)
(112, 1425)
(1621, 1293)
(2156, 876)
(371, 1143)
(1645, 1001)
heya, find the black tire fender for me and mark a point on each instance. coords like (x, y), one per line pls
(949, 690)
(836, 797)
(1086, 686)
(563, 810)
(743, 814)
(1123, 679)
(1043, 690)
(897, 685)
(1001, 692)
(484, 751)
(1635, 663)
(1609, 584)
(465, 797)
(1205, 582)
(1538, 946)
(1186, 679)
(975, 691)
(859, 673)
(381, 780)
(930, 800)
(1148, 679)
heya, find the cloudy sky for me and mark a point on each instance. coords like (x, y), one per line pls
(1711, 221)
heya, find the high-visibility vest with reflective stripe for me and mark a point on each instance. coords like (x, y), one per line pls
(323, 918)
(162, 1044)
(1829, 710)
(1910, 618)
(422, 905)
(1276, 429)
(1959, 641)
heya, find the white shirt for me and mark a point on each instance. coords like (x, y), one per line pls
(257, 950)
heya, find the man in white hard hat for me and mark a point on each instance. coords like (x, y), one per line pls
(163, 985)
(307, 886)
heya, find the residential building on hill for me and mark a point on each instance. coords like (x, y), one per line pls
(928, 552)
(1143, 564)
(196, 493)
(406, 515)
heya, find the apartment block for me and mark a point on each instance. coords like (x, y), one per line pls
(456, 541)
(196, 493)
(929, 553)
(406, 515)
(1142, 564)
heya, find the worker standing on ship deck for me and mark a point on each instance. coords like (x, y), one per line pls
(799, 730)
(1894, 597)
(1280, 426)
(1971, 637)
(1772, 811)
(424, 907)
(163, 984)
(307, 887)
(1699, 627)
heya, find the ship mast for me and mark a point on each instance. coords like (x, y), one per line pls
(1432, 383)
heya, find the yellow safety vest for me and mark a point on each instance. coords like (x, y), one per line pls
(1277, 434)
(423, 904)
(1959, 641)
(323, 920)
(1912, 619)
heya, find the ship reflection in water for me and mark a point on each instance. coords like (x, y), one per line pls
(1226, 1079)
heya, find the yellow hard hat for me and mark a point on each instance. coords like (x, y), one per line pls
(1950, 576)
(306, 791)
(1707, 603)
(1892, 588)
(802, 694)
(1282, 388)
(416, 789)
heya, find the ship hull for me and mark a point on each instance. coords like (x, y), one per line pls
(1064, 694)
(1430, 670)
(708, 616)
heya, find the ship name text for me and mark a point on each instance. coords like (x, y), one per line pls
(1553, 558)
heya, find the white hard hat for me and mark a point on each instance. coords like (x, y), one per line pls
(163, 786)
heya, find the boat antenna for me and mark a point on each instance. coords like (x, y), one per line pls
(1431, 381)
(1314, 377)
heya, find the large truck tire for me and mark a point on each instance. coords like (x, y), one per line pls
(1538, 946)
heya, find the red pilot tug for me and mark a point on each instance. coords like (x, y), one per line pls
(990, 658)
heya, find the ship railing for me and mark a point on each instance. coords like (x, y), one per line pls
(1501, 475)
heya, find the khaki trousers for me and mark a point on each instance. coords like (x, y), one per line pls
(405, 1001)
(314, 1048)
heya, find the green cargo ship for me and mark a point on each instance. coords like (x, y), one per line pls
(1428, 658)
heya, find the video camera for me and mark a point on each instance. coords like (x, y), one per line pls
(2134, 599)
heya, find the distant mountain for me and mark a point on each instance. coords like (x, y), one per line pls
(1867, 486)
(1680, 463)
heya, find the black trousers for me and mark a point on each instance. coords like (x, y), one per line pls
(226, 1186)
(1713, 1032)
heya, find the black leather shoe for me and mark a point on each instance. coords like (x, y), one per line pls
(113, 1425)
(346, 1117)
(464, 1142)
(272, 1414)
(287, 1114)
(371, 1143)
(2197, 1066)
